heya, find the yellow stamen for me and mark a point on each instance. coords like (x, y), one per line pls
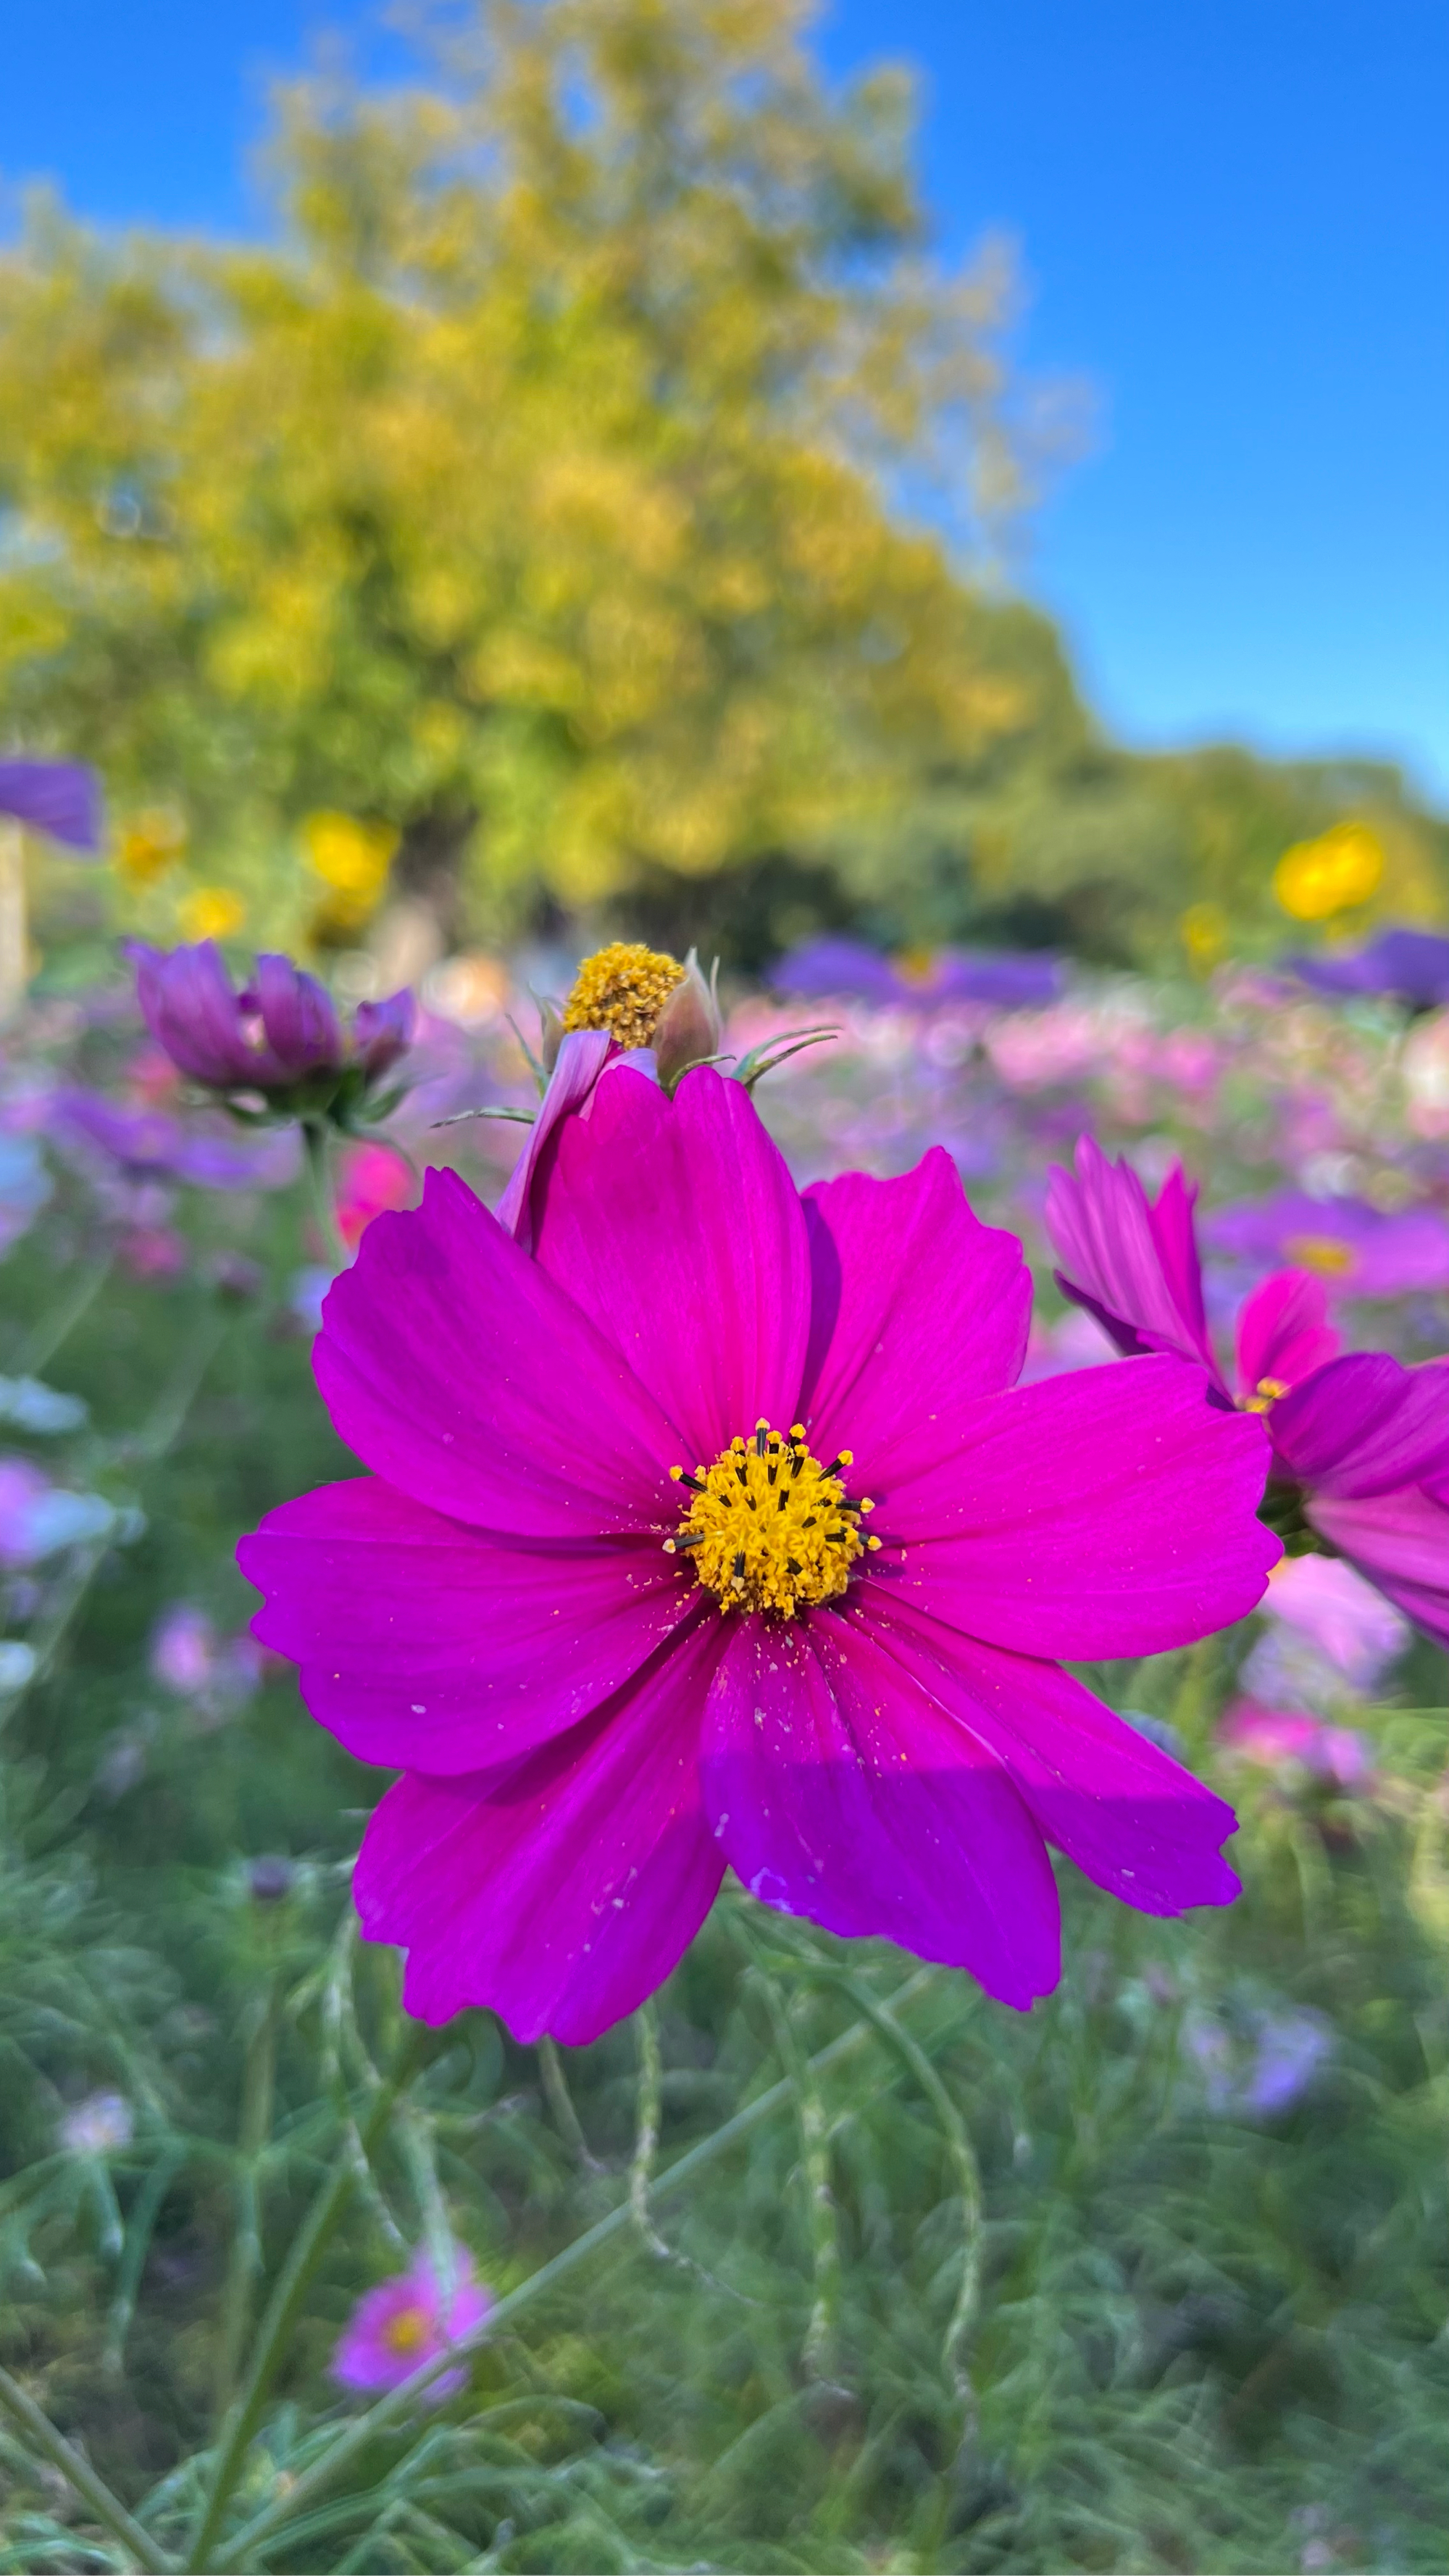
(769, 1527)
(1266, 1392)
(623, 988)
(408, 2331)
(1328, 1254)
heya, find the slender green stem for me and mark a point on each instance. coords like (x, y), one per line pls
(317, 1143)
(244, 2267)
(79, 2475)
(248, 2544)
(646, 2126)
(308, 2248)
(140, 2228)
(822, 2334)
(560, 2103)
(963, 2157)
(56, 1327)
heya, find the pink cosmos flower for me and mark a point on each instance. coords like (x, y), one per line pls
(281, 1036)
(1360, 1443)
(395, 2328)
(607, 1598)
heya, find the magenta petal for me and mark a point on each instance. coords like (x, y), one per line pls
(917, 1309)
(1401, 1542)
(297, 1014)
(1283, 1330)
(582, 1057)
(1364, 1425)
(1134, 1821)
(384, 1031)
(456, 1368)
(1133, 1266)
(563, 1891)
(842, 1790)
(1112, 1511)
(191, 1008)
(676, 1226)
(426, 1645)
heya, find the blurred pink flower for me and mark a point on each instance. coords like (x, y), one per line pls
(1285, 1741)
(1350, 1624)
(191, 1659)
(371, 1180)
(395, 2328)
(183, 1649)
(152, 1252)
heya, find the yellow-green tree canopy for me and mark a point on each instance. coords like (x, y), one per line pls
(538, 488)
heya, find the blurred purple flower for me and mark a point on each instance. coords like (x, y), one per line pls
(405, 2322)
(99, 2126)
(1410, 965)
(183, 1648)
(151, 1141)
(1291, 2048)
(841, 967)
(1355, 1249)
(189, 1657)
(305, 1294)
(25, 1185)
(38, 1518)
(57, 797)
(280, 1036)
(1262, 2069)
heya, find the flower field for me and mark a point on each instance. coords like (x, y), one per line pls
(823, 2253)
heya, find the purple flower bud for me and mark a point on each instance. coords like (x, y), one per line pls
(280, 1037)
(271, 1878)
(688, 1029)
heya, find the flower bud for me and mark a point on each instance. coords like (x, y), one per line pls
(688, 1028)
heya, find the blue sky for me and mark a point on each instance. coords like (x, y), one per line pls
(1235, 218)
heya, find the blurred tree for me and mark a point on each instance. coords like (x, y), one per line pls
(535, 494)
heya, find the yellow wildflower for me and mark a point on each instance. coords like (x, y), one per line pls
(212, 912)
(1343, 867)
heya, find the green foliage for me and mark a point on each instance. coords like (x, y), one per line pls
(532, 488)
(541, 492)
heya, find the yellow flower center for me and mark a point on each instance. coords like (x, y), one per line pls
(1325, 1253)
(408, 2331)
(769, 1528)
(623, 988)
(1266, 1392)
